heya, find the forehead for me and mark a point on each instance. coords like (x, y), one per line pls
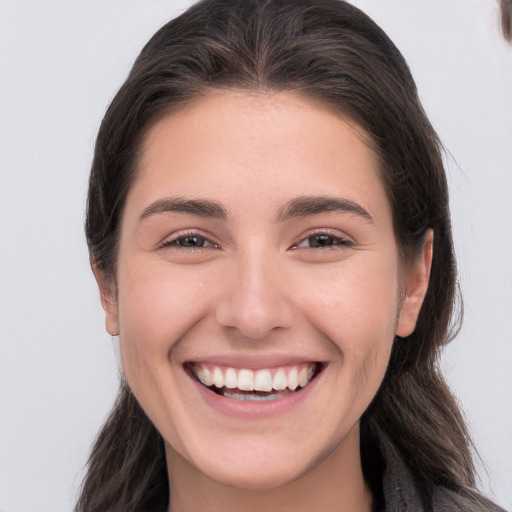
(266, 145)
(266, 119)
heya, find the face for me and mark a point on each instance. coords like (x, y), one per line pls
(258, 285)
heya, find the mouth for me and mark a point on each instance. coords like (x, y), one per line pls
(264, 384)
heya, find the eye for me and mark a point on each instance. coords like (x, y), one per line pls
(189, 241)
(322, 240)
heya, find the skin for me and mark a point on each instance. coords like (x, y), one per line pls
(253, 285)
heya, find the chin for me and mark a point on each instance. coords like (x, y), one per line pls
(256, 478)
(253, 467)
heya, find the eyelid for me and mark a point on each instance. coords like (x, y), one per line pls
(344, 239)
(170, 240)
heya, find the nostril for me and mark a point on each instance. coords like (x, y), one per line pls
(254, 320)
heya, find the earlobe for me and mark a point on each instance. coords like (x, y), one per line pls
(415, 288)
(108, 299)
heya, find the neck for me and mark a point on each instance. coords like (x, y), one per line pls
(336, 484)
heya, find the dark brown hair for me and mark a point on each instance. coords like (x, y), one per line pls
(331, 52)
(506, 19)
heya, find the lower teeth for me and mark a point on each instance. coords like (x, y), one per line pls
(255, 396)
(251, 396)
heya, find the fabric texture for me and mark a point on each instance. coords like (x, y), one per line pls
(400, 494)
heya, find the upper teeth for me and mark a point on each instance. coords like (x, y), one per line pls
(279, 379)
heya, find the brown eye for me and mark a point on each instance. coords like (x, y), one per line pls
(317, 241)
(323, 240)
(191, 241)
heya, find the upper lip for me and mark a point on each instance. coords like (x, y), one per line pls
(252, 362)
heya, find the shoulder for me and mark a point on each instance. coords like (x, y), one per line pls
(445, 500)
(403, 493)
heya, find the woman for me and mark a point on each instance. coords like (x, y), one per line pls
(268, 224)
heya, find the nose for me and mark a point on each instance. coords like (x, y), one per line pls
(255, 300)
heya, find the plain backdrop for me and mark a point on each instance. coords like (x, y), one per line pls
(60, 64)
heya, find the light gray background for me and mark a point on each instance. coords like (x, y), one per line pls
(60, 64)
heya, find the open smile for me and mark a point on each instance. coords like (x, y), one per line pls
(264, 384)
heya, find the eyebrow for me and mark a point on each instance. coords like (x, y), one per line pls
(314, 205)
(199, 207)
(298, 207)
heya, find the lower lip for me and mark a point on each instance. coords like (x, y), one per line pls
(255, 409)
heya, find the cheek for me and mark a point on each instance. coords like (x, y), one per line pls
(358, 298)
(356, 310)
(157, 306)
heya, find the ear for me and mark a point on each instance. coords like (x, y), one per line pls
(108, 297)
(415, 288)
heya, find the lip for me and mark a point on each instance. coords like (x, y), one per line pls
(252, 410)
(255, 362)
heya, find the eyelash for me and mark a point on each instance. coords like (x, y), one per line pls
(332, 242)
(180, 237)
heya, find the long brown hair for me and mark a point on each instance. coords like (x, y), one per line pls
(329, 51)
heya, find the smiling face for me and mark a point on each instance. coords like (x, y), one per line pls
(257, 288)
